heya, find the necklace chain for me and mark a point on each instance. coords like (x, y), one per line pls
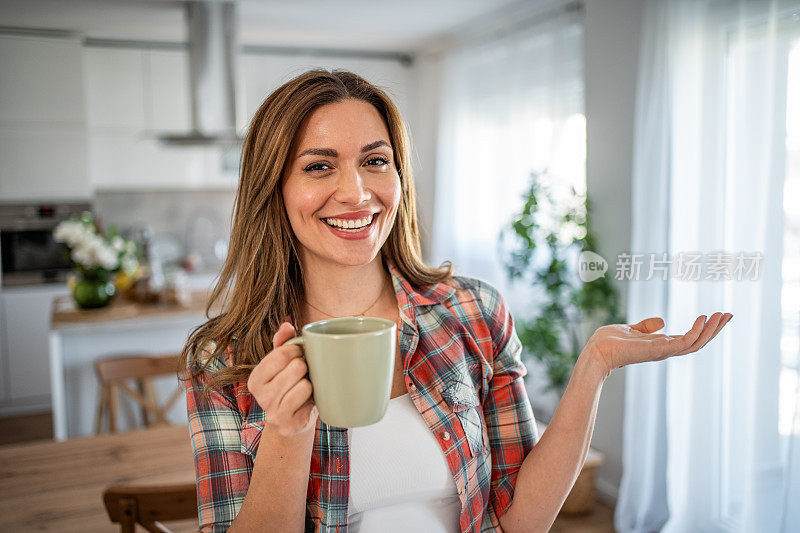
(380, 293)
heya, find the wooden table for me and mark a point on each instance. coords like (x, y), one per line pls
(58, 486)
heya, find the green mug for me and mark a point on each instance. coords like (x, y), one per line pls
(351, 367)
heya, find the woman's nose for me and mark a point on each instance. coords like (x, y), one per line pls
(350, 187)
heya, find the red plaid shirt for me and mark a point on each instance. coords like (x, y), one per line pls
(461, 359)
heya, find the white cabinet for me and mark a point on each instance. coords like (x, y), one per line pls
(26, 324)
(42, 80)
(42, 119)
(136, 90)
(114, 89)
(43, 162)
(134, 95)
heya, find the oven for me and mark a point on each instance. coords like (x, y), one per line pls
(28, 252)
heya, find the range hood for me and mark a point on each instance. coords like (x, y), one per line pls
(212, 60)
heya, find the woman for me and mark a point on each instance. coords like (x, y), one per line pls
(325, 226)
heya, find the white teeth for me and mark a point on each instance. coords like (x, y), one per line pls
(350, 224)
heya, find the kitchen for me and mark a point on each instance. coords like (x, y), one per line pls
(145, 144)
(121, 131)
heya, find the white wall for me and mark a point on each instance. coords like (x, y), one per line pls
(611, 44)
(423, 121)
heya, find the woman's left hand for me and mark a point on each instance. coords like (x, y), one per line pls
(618, 345)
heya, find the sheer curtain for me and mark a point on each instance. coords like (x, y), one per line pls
(510, 105)
(710, 440)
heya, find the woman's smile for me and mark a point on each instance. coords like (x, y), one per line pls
(352, 229)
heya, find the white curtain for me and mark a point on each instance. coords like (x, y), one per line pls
(510, 104)
(711, 439)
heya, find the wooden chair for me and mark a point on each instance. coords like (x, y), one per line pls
(149, 506)
(113, 374)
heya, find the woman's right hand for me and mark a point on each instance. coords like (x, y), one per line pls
(278, 384)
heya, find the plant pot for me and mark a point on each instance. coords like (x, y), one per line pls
(93, 290)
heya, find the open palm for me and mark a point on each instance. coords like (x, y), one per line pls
(618, 345)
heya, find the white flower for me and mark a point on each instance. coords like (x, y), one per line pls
(93, 251)
(108, 258)
(72, 232)
(118, 243)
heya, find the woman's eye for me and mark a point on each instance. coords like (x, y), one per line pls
(377, 162)
(316, 167)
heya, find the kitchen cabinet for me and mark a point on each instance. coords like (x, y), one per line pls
(114, 89)
(136, 90)
(133, 95)
(42, 119)
(43, 162)
(42, 80)
(25, 325)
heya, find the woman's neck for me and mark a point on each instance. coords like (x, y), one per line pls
(343, 290)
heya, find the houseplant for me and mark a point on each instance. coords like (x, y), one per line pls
(99, 260)
(541, 246)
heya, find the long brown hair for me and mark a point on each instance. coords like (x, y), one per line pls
(262, 275)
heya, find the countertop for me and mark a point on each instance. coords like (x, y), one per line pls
(66, 314)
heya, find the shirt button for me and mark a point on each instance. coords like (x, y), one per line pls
(411, 385)
(446, 435)
(462, 490)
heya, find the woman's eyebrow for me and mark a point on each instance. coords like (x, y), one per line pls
(330, 152)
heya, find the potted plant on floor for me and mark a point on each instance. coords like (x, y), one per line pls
(542, 246)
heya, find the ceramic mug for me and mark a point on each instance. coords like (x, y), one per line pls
(351, 367)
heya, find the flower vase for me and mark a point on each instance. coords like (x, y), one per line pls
(93, 289)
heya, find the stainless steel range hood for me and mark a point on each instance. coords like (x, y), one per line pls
(212, 62)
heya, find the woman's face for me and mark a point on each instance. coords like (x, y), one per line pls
(341, 187)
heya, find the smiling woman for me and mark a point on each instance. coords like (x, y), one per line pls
(324, 226)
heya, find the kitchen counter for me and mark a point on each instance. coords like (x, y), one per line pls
(79, 337)
(66, 314)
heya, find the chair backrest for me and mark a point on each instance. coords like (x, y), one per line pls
(148, 506)
(113, 374)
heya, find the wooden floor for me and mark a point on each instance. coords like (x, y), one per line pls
(35, 427)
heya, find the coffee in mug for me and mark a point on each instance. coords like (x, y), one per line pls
(351, 367)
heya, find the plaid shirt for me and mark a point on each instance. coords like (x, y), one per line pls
(461, 359)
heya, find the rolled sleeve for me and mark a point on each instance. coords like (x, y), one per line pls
(222, 469)
(507, 409)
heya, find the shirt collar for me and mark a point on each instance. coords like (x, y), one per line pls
(410, 297)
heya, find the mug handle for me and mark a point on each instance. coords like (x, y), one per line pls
(300, 341)
(296, 340)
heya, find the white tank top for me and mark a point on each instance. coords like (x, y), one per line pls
(399, 478)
